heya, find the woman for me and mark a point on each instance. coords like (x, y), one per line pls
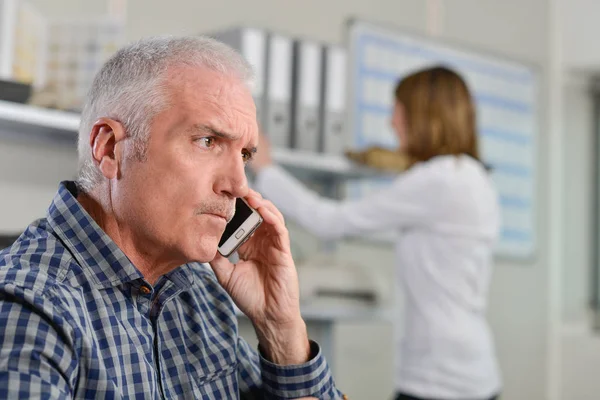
(445, 210)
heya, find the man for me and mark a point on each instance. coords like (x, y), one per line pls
(107, 296)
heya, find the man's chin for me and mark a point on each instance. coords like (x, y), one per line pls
(206, 258)
(204, 252)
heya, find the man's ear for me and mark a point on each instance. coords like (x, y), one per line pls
(105, 138)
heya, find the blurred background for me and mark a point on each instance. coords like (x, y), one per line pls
(533, 67)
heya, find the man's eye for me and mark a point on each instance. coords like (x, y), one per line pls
(207, 142)
(246, 155)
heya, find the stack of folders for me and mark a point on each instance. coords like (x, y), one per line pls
(300, 88)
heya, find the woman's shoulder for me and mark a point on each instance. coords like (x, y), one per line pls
(450, 173)
(450, 165)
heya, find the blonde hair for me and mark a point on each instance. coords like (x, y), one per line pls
(439, 113)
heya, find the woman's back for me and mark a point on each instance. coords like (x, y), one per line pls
(444, 268)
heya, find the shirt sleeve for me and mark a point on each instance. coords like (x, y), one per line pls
(411, 200)
(261, 379)
(36, 361)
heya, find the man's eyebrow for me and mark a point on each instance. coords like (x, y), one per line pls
(212, 131)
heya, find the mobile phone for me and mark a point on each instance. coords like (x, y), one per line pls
(243, 224)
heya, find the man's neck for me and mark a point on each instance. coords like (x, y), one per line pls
(152, 264)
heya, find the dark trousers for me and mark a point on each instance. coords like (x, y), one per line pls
(402, 396)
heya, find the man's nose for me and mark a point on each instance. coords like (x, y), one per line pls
(232, 180)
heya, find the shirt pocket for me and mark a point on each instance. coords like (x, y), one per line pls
(218, 384)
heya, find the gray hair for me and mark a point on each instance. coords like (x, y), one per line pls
(130, 88)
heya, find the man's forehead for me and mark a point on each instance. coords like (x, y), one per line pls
(202, 80)
(217, 103)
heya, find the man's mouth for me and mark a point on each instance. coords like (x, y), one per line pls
(224, 217)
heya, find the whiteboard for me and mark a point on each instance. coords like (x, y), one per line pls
(506, 96)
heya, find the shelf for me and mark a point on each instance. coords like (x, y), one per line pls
(21, 119)
(322, 164)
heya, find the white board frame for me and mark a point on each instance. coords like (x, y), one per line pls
(356, 28)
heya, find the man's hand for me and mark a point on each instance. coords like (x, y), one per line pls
(264, 285)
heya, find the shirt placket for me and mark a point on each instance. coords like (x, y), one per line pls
(148, 301)
(158, 297)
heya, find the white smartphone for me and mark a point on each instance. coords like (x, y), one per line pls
(243, 224)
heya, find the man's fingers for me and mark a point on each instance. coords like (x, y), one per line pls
(253, 193)
(271, 207)
(257, 202)
(273, 220)
(223, 269)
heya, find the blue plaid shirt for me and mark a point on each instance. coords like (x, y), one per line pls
(78, 320)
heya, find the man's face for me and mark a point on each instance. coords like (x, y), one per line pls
(180, 198)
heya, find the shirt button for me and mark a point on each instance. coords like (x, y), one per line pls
(145, 289)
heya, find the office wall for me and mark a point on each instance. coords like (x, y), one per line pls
(29, 175)
(519, 297)
(579, 148)
(581, 361)
(580, 346)
(580, 32)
